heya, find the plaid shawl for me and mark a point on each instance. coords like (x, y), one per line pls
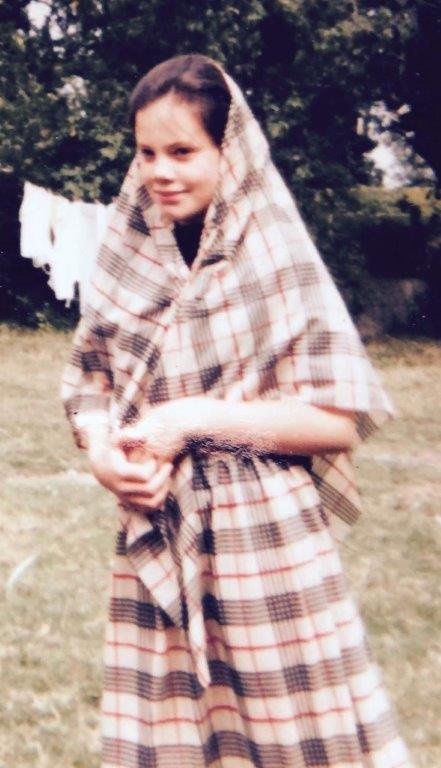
(257, 317)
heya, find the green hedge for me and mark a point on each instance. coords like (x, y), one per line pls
(373, 232)
(369, 232)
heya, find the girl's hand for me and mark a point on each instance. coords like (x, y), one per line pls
(135, 479)
(164, 430)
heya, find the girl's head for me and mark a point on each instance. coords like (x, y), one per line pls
(179, 111)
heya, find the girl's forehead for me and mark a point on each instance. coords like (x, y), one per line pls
(169, 119)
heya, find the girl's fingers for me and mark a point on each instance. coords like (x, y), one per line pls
(131, 489)
(147, 491)
(160, 478)
(150, 502)
(134, 472)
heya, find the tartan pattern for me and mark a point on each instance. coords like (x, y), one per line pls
(231, 640)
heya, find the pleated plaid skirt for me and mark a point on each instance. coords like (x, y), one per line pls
(291, 678)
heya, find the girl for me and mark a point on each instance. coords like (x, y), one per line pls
(218, 385)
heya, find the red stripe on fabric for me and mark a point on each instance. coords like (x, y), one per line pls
(126, 576)
(143, 256)
(114, 628)
(219, 339)
(242, 715)
(263, 572)
(330, 463)
(132, 248)
(123, 372)
(267, 571)
(137, 578)
(235, 503)
(111, 299)
(152, 651)
(281, 290)
(233, 335)
(115, 230)
(212, 640)
(82, 395)
(181, 350)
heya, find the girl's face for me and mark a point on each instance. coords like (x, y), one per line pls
(179, 160)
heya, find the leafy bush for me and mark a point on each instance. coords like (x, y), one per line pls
(370, 232)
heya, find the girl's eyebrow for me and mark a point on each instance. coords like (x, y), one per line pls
(175, 145)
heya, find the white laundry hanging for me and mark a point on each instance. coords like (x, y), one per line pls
(35, 215)
(94, 220)
(64, 267)
(64, 237)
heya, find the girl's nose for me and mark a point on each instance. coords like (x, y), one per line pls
(162, 167)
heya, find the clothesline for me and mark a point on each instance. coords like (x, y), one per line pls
(63, 238)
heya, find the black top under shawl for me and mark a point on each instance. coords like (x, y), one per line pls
(187, 237)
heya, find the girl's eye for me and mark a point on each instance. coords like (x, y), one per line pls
(182, 151)
(147, 153)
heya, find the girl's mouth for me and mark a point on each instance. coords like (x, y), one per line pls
(169, 197)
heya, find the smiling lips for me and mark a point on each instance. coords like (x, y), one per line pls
(168, 196)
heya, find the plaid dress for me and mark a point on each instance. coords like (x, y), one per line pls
(232, 640)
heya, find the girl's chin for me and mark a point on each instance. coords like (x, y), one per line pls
(172, 215)
(193, 218)
(174, 218)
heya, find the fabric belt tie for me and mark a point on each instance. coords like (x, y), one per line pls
(166, 550)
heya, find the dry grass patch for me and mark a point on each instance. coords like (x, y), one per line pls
(394, 553)
(53, 618)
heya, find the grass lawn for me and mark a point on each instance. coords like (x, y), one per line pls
(54, 611)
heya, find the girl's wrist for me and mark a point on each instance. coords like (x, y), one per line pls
(204, 419)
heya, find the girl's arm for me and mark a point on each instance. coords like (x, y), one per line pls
(285, 426)
(281, 426)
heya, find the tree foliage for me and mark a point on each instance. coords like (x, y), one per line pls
(419, 87)
(309, 69)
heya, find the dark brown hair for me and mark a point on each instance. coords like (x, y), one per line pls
(195, 79)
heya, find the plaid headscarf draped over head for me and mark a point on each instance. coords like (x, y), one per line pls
(257, 317)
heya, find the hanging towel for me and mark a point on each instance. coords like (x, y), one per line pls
(64, 237)
(35, 215)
